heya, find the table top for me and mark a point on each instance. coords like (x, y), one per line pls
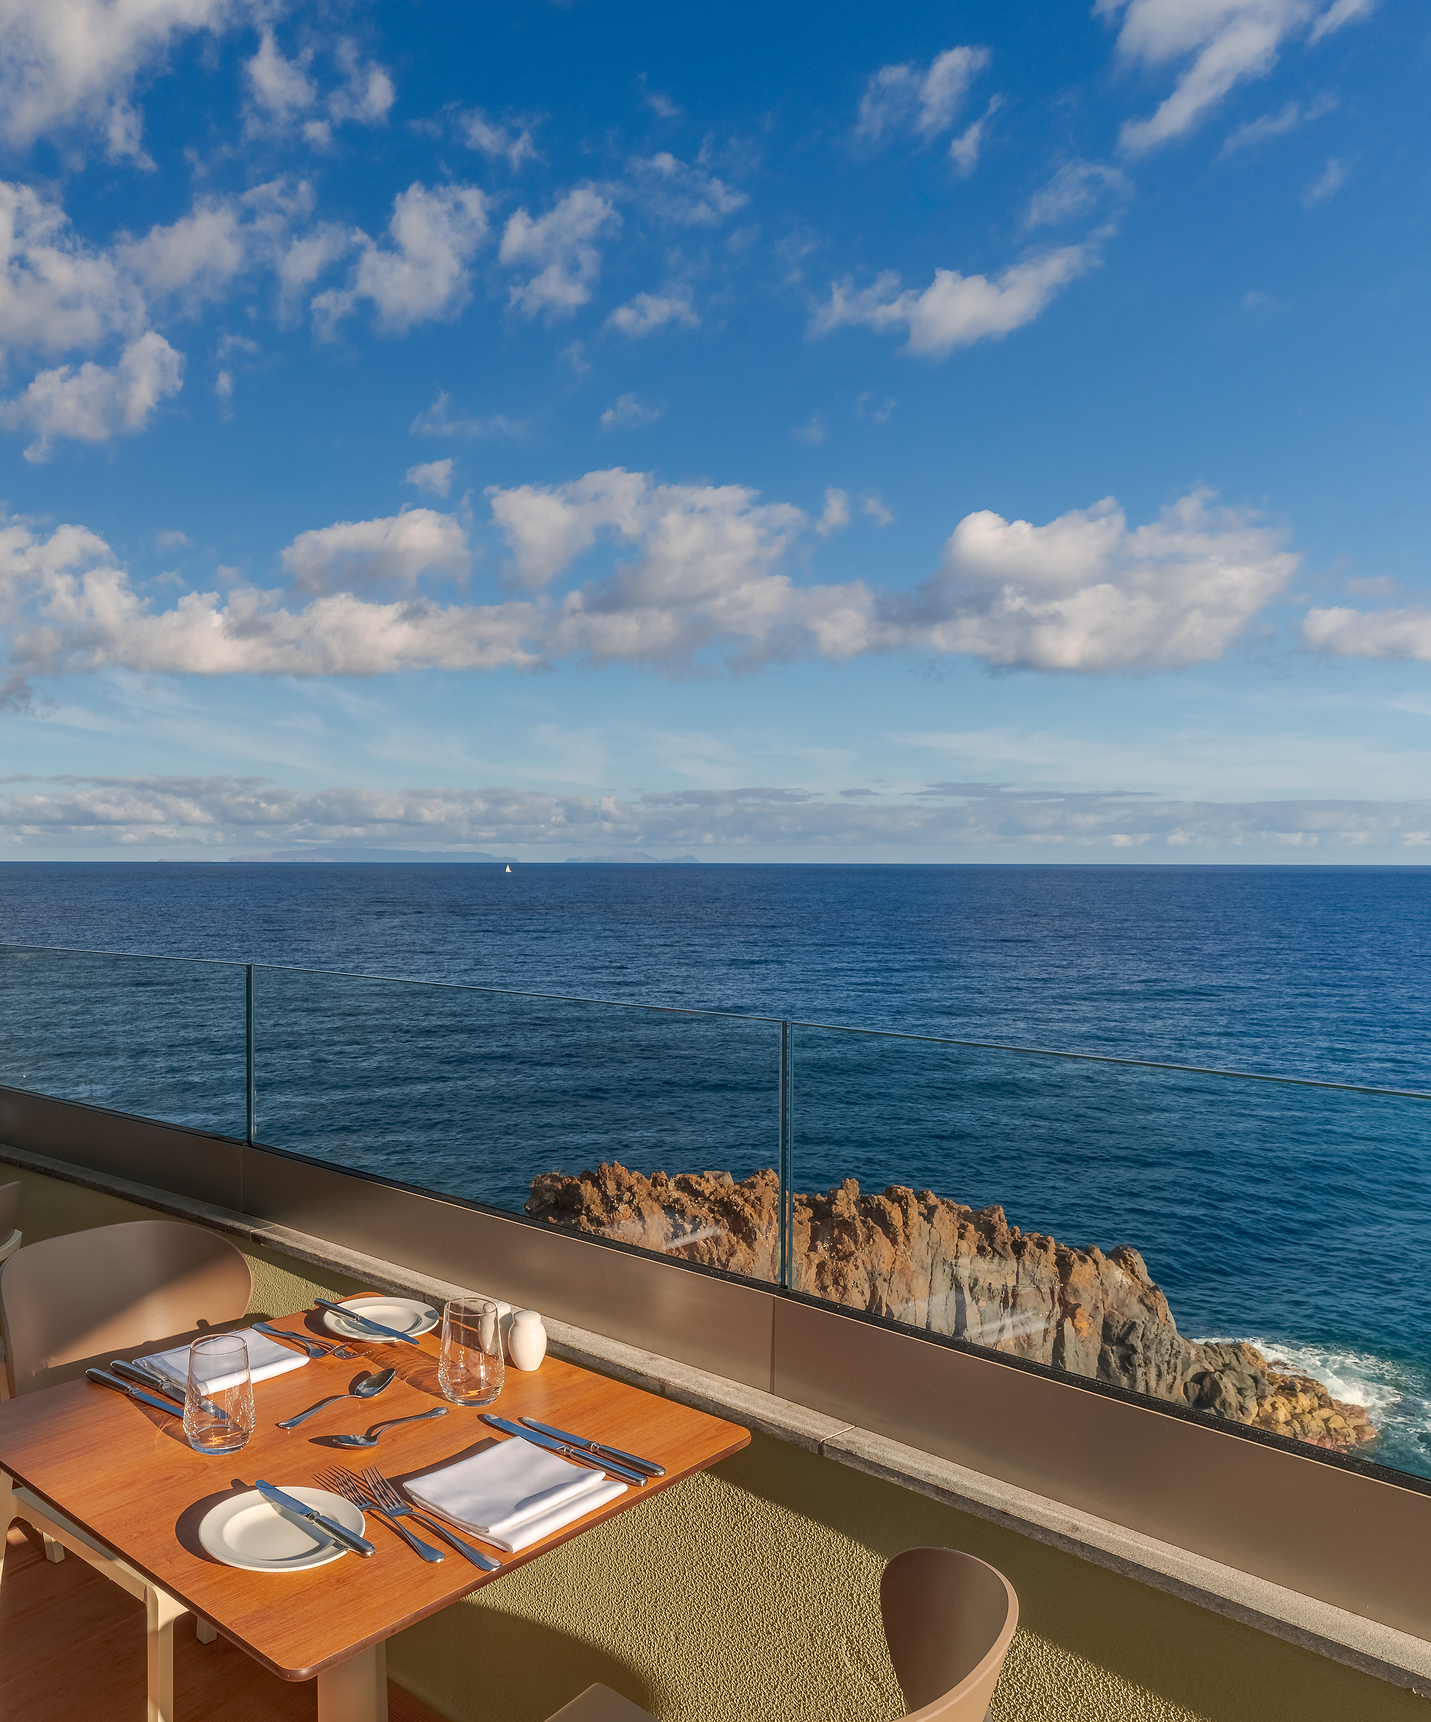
(126, 1474)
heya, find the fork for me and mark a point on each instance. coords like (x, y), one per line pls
(392, 1503)
(314, 1347)
(344, 1483)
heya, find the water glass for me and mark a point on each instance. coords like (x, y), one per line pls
(470, 1366)
(218, 1405)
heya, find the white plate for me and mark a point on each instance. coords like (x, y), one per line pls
(405, 1314)
(246, 1531)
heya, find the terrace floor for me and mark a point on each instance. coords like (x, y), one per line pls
(72, 1645)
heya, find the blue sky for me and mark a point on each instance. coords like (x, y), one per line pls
(978, 432)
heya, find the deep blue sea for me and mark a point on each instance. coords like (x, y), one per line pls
(1298, 1217)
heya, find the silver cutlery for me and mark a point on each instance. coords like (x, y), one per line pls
(366, 1387)
(649, 1466)
(374, 1434)
(330, 1528)
(345, 1484)
(104, 1379)
(149, 1378)
(314, 1347)
(364, 1322)
(390, 1501)
(567, 1451)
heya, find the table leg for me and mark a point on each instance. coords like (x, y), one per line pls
(355, 1690)
(162, 1611)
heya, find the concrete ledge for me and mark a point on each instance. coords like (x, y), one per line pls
(1368, 1646)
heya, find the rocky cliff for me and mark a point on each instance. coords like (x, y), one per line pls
(935, 1264)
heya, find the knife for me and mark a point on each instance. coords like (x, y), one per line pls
(362, 1321)
(330, 1528)
(580, 1454)
(105, 1379)
(146, 1378)
(649, 1466)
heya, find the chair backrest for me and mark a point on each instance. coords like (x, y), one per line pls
(72, 1301)
(948, 1620)
(9, 1209)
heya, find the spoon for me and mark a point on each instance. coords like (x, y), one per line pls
(371, 1438)
(365, 1387)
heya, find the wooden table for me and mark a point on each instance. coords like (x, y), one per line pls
(127, 1476)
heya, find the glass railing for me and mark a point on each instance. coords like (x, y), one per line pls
(1246, 1248)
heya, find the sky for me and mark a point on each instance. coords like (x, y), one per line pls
(978, 432)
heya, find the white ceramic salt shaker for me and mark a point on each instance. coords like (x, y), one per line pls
(528, 1343)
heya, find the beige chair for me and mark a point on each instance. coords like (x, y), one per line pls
(69, 1302)
(948, 1621)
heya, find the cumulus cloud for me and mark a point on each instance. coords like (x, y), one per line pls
(1327, 183)
(956, 310)
(57, 293)
(74, 65)
(1076, 191)
(561, 247)
(92, 403)
(442, 419)
(433, 475)
(651, 311)
(1086, 593)
(1220, 44)
(923, 100)
(1339, 632)
(283, 94)
(510, 141)
(195, 257)
(682, 195)
(1287, 119)
(964, 149)
(396, 551)
(682, 575)
(422, 275)
(630, 412)
(223, 816)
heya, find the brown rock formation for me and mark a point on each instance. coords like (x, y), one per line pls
(931, 1263)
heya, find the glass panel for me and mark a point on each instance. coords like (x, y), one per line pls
(156, 1036)
(1254, 1250)
(655, 1127)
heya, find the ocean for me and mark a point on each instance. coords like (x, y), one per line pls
(1298, 1217)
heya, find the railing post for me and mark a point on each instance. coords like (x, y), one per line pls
(784, 1209)
(248, 1053)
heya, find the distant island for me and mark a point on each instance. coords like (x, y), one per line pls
(449, 856)
(627, 856)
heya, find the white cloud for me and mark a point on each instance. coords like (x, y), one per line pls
(877, 511)
(511, 141)
(649, 311)
(282, 92)
(433, 475)
(1327, 184)
(74, 63)
(685, 196)
(812, 431)
(837, 513)
(223, 816)
(1225, 41)
(1076, 190)
(683, 574)
(1286, 119)
(92, 403)
(922, 100)
(172, 540)
(561, 247)
(396, 551)
(964, 149)
(56, 293)
(1085, 593)
(956, 310)
(440, 420)
(423, 275)
(196, 257)
(630, 412)
(1339, 632)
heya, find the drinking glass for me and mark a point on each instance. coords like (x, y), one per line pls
(218, 1406)
(470, 1367)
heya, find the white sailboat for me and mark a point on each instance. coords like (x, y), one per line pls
(509, 866)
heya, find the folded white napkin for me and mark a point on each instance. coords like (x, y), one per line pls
(266, 1357)
(515, 1493)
